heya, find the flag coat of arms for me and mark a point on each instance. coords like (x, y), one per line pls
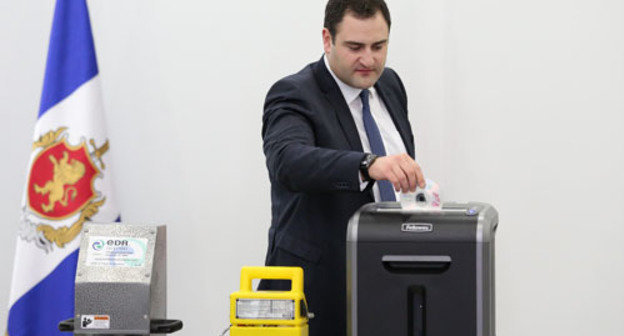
(68, 181)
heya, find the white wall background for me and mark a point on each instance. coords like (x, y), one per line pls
(516, 103)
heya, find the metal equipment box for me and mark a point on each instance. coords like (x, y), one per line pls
(421, 272)
(120, 279)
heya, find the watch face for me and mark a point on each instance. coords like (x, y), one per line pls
(366, 161)
(370, 158)
(365, 164)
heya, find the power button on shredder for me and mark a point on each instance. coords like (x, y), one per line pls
(472, 211)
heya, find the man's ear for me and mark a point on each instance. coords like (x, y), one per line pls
(327, 41)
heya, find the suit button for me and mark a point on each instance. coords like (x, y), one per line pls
(341, 185)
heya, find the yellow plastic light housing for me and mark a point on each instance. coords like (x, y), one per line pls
(269, 313)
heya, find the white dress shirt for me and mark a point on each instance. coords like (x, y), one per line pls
(389, 134)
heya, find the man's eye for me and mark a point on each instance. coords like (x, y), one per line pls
(354, 48)
(377, 47)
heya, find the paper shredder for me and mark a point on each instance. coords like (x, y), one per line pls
(422, 272)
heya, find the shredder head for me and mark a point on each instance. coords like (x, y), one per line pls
(121, 284)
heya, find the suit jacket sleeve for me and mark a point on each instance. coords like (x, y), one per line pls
(293, 159)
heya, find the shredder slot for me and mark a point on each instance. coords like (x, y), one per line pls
(416, 263)
(416, 309)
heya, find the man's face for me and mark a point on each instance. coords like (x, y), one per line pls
(357, 54)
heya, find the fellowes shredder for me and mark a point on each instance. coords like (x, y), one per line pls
(422, 272)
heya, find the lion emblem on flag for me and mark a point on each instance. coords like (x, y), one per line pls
(65, 174)
(61, 189)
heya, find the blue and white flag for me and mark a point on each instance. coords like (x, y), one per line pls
(69, 180)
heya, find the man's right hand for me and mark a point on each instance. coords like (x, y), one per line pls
(401, 170)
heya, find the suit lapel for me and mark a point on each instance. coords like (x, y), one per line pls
(399, 117)
(334, 96)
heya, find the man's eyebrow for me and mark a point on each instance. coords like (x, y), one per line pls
(361, 44)
(354, 43)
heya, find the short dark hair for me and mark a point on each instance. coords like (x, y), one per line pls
(336, 10)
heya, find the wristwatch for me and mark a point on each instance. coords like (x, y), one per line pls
(366, 162)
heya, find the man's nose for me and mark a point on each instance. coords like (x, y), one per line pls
(367, 59)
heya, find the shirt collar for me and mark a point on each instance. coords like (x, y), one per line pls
(348, 92)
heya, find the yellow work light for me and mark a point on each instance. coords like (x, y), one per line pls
(269, 313)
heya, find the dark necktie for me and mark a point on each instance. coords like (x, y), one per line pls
(386, 191)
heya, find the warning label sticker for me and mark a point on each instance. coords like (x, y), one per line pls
(95, 322)
(116, 251)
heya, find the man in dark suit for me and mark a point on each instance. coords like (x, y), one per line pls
(336, 136)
